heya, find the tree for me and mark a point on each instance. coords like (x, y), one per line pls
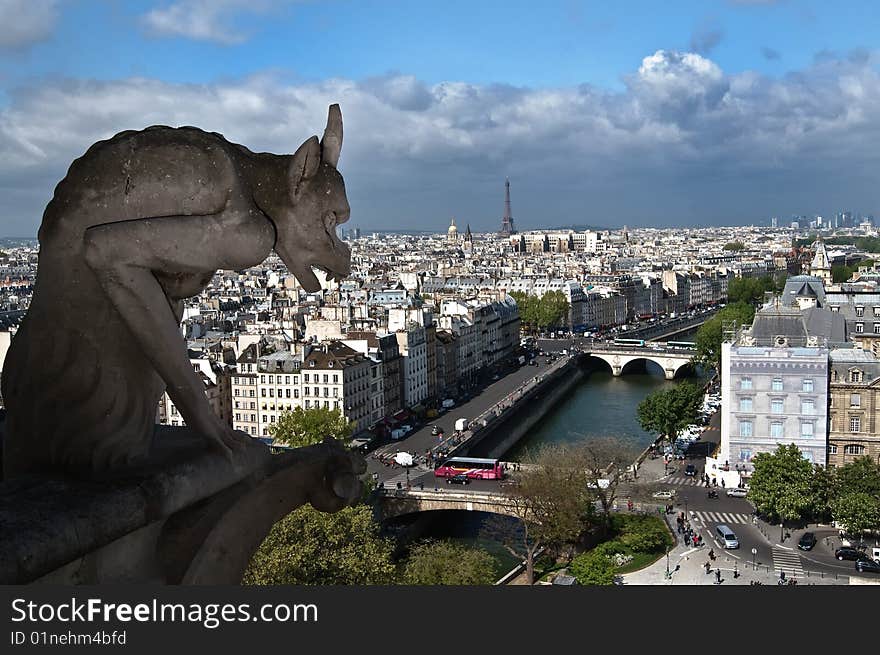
(734, 246)
(308, 547)
(305, 427)
(781, 486)
(528, 309)
(592, 568)
(604, 461)
(668, 411)
(552, 310)
(551, 502)
(861, 475)
(856, 512)
(710, 336)
(448, 563)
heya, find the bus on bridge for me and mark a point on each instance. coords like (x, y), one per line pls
(682, 344)
(629, 342)
(476, 468)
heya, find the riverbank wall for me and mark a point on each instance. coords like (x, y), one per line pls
(503, 433)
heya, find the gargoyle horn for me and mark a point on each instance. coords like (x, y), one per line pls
(331, 144)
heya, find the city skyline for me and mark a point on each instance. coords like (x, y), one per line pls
(723, 113)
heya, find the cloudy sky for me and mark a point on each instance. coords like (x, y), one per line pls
(686, 112)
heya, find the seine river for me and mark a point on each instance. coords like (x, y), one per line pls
(601, 405)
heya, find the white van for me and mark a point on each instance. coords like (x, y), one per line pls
(726, 536)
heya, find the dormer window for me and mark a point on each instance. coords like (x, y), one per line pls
(855, 375)
(860, 311)
(312, 363)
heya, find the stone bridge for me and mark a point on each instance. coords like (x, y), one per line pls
(670, 359)
(398, 502)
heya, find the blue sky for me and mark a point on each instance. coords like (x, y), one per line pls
(682, 112)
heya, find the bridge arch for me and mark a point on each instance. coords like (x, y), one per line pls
(401, 503)
(618, 361)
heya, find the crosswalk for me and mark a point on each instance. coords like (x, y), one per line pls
(722, 517)
(683, 481)
(787, 560)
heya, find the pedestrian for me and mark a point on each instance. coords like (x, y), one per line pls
(717, 576)
(722, 483)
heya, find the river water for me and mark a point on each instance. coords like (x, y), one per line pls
(601, 405)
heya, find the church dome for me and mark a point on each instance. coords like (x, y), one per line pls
(452, 229)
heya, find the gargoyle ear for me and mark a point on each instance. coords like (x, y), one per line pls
(306, 160)
(331, 144)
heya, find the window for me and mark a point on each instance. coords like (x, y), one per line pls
(335, 378)
(855, 400)
(253, 430)
(853, 449)
(325, 378)
(308, 404)
(745, 384)
(807, 385)
(776, 406)
(832, 449)
(855, 423)
(287, 393)
(253, 418)
(296, 379)
(807, 429)
(745, 404)
(808, 406)
(296, 393)
(745, 428)
(265, 419)
(263, 393)
(860, 311)
(306, 391)
(262, 379)
(745, 455)
(306, 378)
(860, 327)
(278, 391)
(776, 430)
(253, 406)
(776, 385)
(855, 375)
(876, 328)
(238, 417)
(272, 418)
(251, 393)
(271, 379)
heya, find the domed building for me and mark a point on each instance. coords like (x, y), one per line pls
(452, 233)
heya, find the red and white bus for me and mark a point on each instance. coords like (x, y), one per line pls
(475, 468)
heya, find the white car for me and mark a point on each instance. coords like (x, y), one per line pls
(663, 495)
(737, 493)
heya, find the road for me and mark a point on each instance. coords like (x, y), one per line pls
(420, 441)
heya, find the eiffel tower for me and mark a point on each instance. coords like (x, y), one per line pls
(507, 227)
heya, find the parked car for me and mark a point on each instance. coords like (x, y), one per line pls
(868, 566)
(461, 478)
(851, 554)
(737, 493)
(807, 541)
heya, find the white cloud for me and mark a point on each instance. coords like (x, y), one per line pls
(25, 22)
(412, 149)
(203, 20)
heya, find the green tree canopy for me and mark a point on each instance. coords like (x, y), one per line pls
(592, 568)
(751, 290)
(550, 310)
(856, 512)
(308, 547)
(862, 475)
(781, 486)
(668, 411)
(448, 563)
(734, 246)
(304, 427)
